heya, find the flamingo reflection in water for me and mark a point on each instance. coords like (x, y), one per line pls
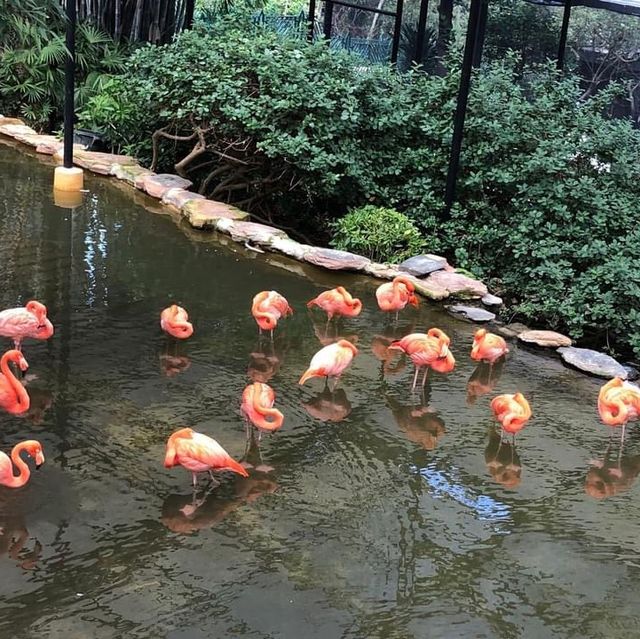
(483, 380)
(172, 365)
(606, 477)
(389, 364)
(263, 366)
(187, 514)
(331, 333)
(14, 536)
(419, 422)
(329, 406)
(502, 460)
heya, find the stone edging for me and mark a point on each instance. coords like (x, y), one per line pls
(431, 275)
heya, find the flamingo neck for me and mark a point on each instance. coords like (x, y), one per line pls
(19, 480)
(21, 395)
(266, 412)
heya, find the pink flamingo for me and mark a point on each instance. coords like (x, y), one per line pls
(330, 361)
(257, 406)
(487, 347)
(198, 453)
(394, 296)
(267, 308)
(174, 320)
(7, 478)
(425, 349)
(25, 321)
(13, 395)
(337, 301)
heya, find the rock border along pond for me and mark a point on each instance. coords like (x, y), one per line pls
(433, 277)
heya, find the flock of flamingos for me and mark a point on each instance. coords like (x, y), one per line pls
(618, 401)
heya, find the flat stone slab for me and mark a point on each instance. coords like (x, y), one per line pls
(428, 289)
(259, 234)
(96, 161)
(511, 330)
(593, 362)
(474, 313)
(383, 271)
(289, 247)
(457, 284)
(14, 130)
(157, 185)
(131, 173)
(4, 121)
(336, 260)
(179, 197)
(491, 300)
(204, 214)
(545, 338)
(421, 265)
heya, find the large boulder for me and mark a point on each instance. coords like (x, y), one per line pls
(544, 338)
(287, 246)
(204, 214)
(157, 185)
(457, 284)
(14, 130)
(421, 265)
(593, 362)
(336, 260)
(259, 234)
(177, 198)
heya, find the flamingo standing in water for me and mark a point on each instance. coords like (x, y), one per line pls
(395, 295)
(174, 320)
(257, 406)
(425, 349)
(619, 403)
(512, 411)
(13, 395)
(26, 321)
(330, 361)
(33, 448)
(198, 453)
(487, 347)
(267, 308)
(337, 301)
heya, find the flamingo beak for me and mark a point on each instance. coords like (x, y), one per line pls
(22, 363)
(39, 459)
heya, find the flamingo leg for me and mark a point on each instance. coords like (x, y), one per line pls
(415, 379)
(214, 481)
(396, 320)
(622, 440)
(195, 480)
(272, 336)
(424, 377)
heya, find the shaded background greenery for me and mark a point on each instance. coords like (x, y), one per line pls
(299, 134)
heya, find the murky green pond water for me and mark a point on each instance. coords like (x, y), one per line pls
(389, 521)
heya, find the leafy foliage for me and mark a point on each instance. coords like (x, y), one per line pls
(32, 57)
(548, 189)
(381, 234)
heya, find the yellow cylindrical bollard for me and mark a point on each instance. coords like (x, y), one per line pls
(65, 179)
(67, 199)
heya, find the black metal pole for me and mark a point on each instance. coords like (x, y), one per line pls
(188, 13)
(311, 17)
(69, 73)
(328, 18)
(480, 33)
(397, 32)
(461, 106)
(566, 15)
(422, 27)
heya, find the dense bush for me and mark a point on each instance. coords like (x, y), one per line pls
(548, 189)
(381, 234)
(32, 57)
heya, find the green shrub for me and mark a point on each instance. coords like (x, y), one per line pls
(383, 235)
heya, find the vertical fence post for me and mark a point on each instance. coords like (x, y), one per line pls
(422, 27)
(461, 106)
(481, 31)
(397, 32)
(69, 83)
(311, 17)
(188, 13)
(566, 15)
(328, 18)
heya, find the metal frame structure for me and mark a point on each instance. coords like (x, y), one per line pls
(328, 20)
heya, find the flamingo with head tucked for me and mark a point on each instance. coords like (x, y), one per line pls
(198, 453)
(174, 320)
(33, 448)
(512, 411)
(619, 403)
(337, 301)
(330, 361)
(487, 347)
(395, 295)
(267, 308)
(27, 321)
(13, 395)
(257, 406)
(425, 349)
